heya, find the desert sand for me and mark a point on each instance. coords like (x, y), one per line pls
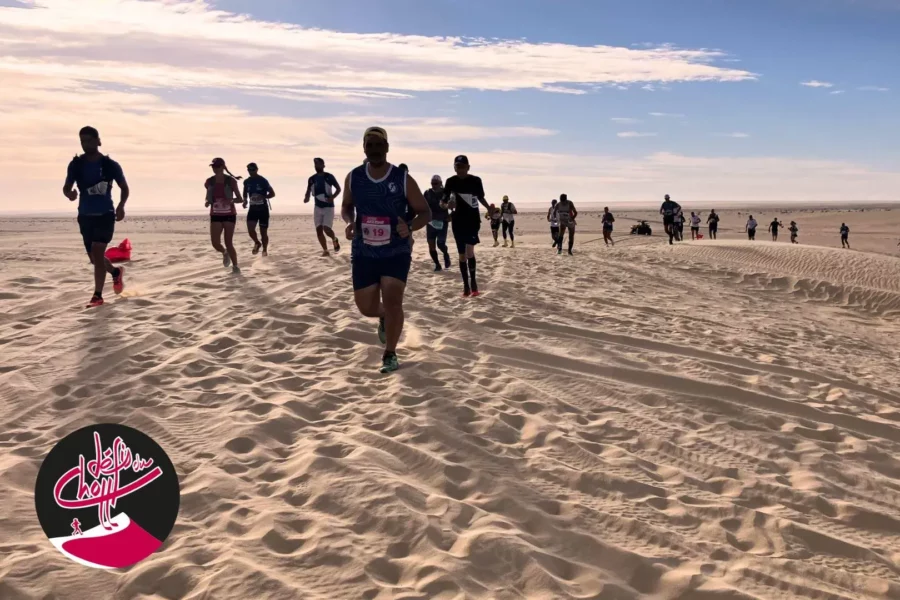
(713, 420)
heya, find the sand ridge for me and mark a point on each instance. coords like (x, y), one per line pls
(709, 420)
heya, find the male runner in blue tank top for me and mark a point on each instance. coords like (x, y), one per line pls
(324, 188)
(94, 174)
(258, 192)
(377, 196)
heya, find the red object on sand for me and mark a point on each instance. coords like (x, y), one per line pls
(699, 236)
(120, 253)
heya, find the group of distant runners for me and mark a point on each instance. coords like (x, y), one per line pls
(382, 206)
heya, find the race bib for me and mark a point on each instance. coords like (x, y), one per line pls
(98, 190)
(257, 199)
(437, 225)
(376, 231)
(221, 206)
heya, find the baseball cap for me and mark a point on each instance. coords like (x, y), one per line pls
(376, 131)
(506, 197)
(436, 178)
(252, 167)
(462, 159)
(217, 162)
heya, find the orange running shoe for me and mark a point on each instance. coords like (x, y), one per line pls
(119, 282)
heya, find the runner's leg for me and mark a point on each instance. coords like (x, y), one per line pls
(470, 261)
(442, 246)
(215, 234)
(229, 242)
(392, 306)
(264, 234)
(251, 229)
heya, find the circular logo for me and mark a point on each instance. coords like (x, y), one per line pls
(107, 496)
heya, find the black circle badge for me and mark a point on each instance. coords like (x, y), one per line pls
(107, 496)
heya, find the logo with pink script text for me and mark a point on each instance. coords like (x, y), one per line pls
(107, 496)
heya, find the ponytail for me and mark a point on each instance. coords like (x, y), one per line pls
(237, 178)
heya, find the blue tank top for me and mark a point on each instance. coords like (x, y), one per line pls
(379, 205)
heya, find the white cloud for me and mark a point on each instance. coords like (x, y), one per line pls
(817, 84)
(635, 134)
(873, 88)
(669, 115)
(736, 135)
(625, 120)
(189, 44)
(837, 92)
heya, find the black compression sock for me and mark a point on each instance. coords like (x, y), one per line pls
(464, 269)
(434, 257)
(98, 294)
(116, 272)
(471, 262)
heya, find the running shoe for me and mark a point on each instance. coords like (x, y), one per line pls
(382, 334)
(559, 251)
(512, 244)
(466, 293)
(119, 281)
(265, 252)
(235, 269)
(496, 244)
(337, 245)
(475, 293)
(389, 363)
(325, 253)
(505, 244)
(570, 253)
(446, 261)
(256, 248)
(226, 260)
(95, 301)
(438, 268)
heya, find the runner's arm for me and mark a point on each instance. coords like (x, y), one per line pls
(270, 193)
(347, 207)
(418, 204)
(574, 212)
(309, 185)
(337, 188)
(124, 190)
(481, 199)
(67, 190)
(246, 191)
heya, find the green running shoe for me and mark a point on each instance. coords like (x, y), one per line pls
(382, 335)
(389, 363)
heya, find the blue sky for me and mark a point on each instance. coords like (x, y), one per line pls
(712, 103)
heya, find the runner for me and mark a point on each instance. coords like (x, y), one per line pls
(553, 219)
(679, 224)
(94, 174)
(258, 192)
(377, 197)
(668, 210)
(845, 233)
(566, 213)
(508, 213)
(608, 220)
(221, 194)
(793, 229)
(494, 215)
(773, 228)
(695, 226)
(463, 193)
(440, 222)
(751, 228)
(325, 188)
(713, 222)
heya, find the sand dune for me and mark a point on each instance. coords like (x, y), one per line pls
(705, 421)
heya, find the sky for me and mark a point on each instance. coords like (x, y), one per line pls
(614, 103)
